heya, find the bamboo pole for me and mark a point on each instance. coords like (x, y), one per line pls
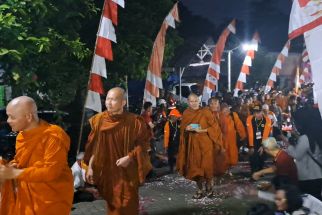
(83, 111)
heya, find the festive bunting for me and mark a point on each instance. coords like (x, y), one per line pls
(214, 67)
(153, 79)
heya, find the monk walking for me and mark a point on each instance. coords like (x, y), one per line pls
(199, 135)
(231, 125)
(38, 181)
(117, 154)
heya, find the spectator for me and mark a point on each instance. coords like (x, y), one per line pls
(283, 163)
(258, 129)
(304, 148)
(172, 137)
(288, 200)
(83, 192)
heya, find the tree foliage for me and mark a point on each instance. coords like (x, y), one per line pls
(41, 50)
(46, 46)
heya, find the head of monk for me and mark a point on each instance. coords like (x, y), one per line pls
(225, 109)
(115, 100)
(214, 104)
(193, 101)
(22, 114)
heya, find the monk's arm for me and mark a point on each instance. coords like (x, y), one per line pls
(142, 139)
(240, 127)
(55, 160)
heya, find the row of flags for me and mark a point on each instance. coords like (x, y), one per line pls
(211, 82)
(277, 67)
(103, 50)
(305, 18)
(153, 78)
(245, 70)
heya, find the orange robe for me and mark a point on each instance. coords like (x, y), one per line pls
(46, 184)
(220, 158)
(196, 150)
(230, 125)
(111, 138)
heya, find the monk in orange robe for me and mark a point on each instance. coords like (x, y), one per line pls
(220, 165)
(117, 154)
(199, 135)
(230, 126)
(38, 181)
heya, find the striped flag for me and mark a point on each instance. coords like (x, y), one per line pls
(103, 50)
(213, 73)
(250, 55)
(277, 66)
(153, 78)
(306, 18)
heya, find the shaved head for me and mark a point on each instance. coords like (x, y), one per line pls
(119, 91)
(115, 100)
(193, 101)
(193, 96)
(25, 103)
(22, 113)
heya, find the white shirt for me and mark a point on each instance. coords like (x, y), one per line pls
(79, 176)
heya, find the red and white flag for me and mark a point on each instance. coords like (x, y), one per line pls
(103, 50)
(213, 73)
(277, 67)
(250, 55)
(153, 79)
(306, 18)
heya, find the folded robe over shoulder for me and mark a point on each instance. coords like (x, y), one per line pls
(113, 137)
(46, 184)
(196, 150)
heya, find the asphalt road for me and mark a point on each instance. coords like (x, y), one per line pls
(171, 194)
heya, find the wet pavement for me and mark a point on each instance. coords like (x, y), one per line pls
(172, 194)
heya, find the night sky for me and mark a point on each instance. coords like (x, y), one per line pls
(269, 17)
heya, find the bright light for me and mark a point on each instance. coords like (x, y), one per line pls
(199, 64)
(249, 46)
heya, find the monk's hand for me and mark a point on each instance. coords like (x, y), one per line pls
(189, 128)
(124, 161)
(222, 150)
(9, 172)
(261, 150)
(14, 165)
(256, 175)
(199, 130)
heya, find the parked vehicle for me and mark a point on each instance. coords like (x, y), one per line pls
(186, 89)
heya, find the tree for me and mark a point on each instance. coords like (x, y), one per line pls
(46, 46)
(41, 49)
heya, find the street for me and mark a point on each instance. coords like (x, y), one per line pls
(171, 194)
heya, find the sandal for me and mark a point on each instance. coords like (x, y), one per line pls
(210, 193)
(199, 194)
(209, 190)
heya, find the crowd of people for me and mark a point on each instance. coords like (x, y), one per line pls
(201, 143)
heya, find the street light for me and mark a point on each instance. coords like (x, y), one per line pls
(249, 46)
(246, 47)
(205, 51)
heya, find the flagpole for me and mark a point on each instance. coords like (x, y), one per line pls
(297, 79)
(229, 70)
(83, 111)
(127, 93)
